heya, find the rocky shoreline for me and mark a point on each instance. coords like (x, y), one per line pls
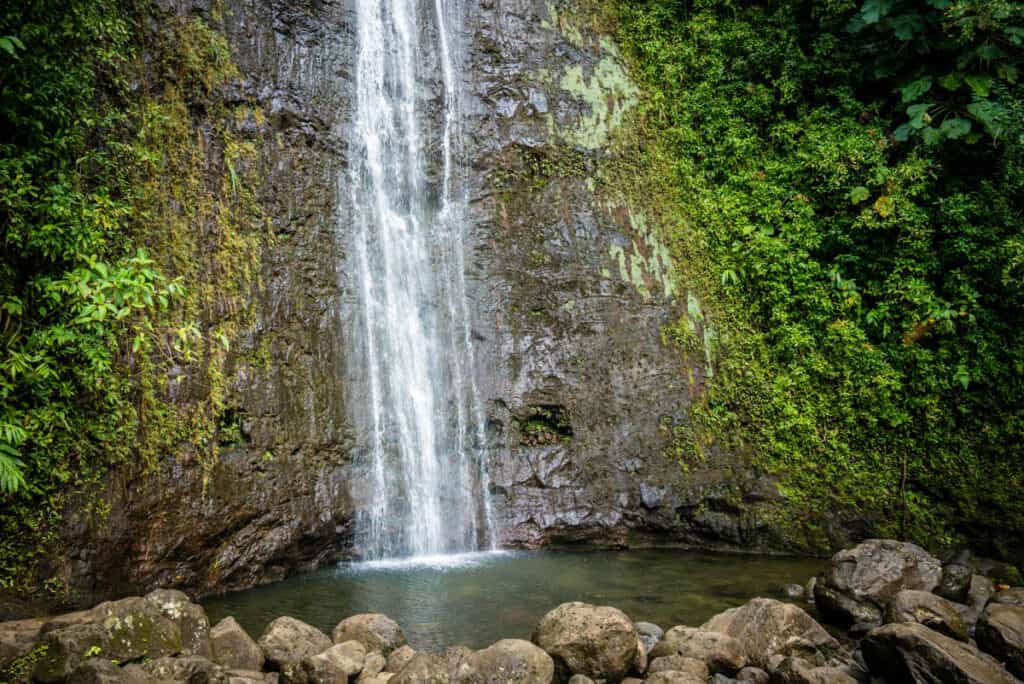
(888, 611)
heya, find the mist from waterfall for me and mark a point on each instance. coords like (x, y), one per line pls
(417, 404)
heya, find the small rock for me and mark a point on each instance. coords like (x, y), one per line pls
(719, 651)
(955, 582)
(1000, 632)
(398, 658)
(286, 642)
(423, 668)
(374, 664)
(650, 634)
(1013, 596)
(233, 648)
(597, 641)
(251, 677)
(583, 679)
(102, 671)
(793, 591)
(755, 675)
(809, 589)
(336, 664)
(768, 628)
(798, 671)
(674, 677)
(191, 669)
(912, 653)
(929, 610)
(374, 631)
(679, 663)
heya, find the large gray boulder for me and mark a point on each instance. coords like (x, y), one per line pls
(233, 648)
(929, 610)
(424, 668)
(17, 639)
(191, 669)
(861, 581)
(675, 677)
(398, 658)
(678, 663)
(650, 634)
(955, 581)
(509, 661)
(1013, 596)
(597, 641)
(337, 665)
(913, 654)
(769, 628)
(286, 642)
(125, 630)
(103, 671)
(799, 671)
(190, 618)
(719, 651)
(1000, 632)
(374, 631)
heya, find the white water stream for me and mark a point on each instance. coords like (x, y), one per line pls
(418, 404)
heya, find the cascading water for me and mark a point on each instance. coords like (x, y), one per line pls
(418, 404)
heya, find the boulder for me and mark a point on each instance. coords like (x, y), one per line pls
(929, 610)
(190, 617)
(455, 656)
(799, 671)
(509, 661)
(398, 658)
(767, 628)
(190, 669)
(597, 641)
(423, 668)
(675, 677)
(915, 654)
(678, 663)
(17, 639)
(286, 642)
(1000, 632)
(103, 671)
(336, 665)
(860, 582)
(232, 647)
(374, 631)
(250, 677)
(373, 665)
(955, 582)
(124, 630)
(1013, 596)
(719, 651)
(755, 675)
(650, 634)
(583, 679)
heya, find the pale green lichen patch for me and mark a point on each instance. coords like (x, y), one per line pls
(698, 325)
(646, 264)
(607, 92)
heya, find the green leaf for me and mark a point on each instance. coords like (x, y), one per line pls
(955, 127)
(952, 81)
(962, 376)
(931, 135)
(916, 89)
(918, 114)
(906, 26)
(859, 194)
(939, 4)
(985, 112)
(872, 11)
(981, 85)
(902, 132)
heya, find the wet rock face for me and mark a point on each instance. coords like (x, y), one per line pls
(568, 287)
(572, 287)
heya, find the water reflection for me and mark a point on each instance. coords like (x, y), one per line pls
(476, 599)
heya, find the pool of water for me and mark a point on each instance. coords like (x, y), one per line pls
(476, 599)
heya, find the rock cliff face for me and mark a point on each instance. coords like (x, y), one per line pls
(569, 289)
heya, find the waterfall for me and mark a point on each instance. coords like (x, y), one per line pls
(416, 401)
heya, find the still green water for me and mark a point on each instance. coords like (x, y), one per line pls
(476, 599)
